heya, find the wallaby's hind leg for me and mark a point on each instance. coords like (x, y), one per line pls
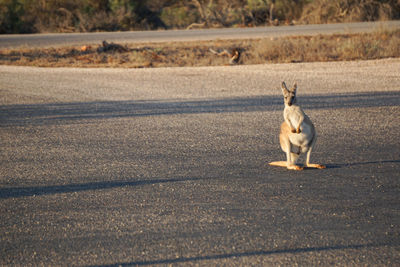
(312, 165)
(292, 153)
(292, 162)
(291, 158)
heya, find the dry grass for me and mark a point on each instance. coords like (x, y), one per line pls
(327, 11)
(330, 48)
(376, 45)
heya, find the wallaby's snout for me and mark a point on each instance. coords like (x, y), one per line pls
(289, 100)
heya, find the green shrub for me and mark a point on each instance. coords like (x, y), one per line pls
(178, 17)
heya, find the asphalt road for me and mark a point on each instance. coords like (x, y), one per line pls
(54, 40)
(120, 167)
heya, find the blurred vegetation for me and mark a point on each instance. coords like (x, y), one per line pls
(34, 16)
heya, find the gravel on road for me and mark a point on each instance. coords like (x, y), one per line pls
(126, 167)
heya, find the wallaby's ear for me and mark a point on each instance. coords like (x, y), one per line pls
(294, 88)
(284, 88)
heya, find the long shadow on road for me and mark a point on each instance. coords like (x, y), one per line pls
(15, 192)
(62, 113)
(251, 253)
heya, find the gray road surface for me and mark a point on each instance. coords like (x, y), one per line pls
(53, 40)
(120, 167)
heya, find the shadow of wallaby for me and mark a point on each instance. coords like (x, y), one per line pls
(352, 164)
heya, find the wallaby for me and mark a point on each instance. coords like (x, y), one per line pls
(234, 55)
(297, 133)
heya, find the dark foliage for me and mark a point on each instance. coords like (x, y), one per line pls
(31, 16)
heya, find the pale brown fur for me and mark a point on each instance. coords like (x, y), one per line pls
(297, 134)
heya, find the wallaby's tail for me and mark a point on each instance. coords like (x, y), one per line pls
(222, 53)
(278, 163)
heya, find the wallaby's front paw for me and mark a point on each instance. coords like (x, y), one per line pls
(298, 130)
(293, 130)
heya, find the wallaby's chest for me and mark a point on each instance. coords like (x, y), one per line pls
(294, 115)
(297, 118)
